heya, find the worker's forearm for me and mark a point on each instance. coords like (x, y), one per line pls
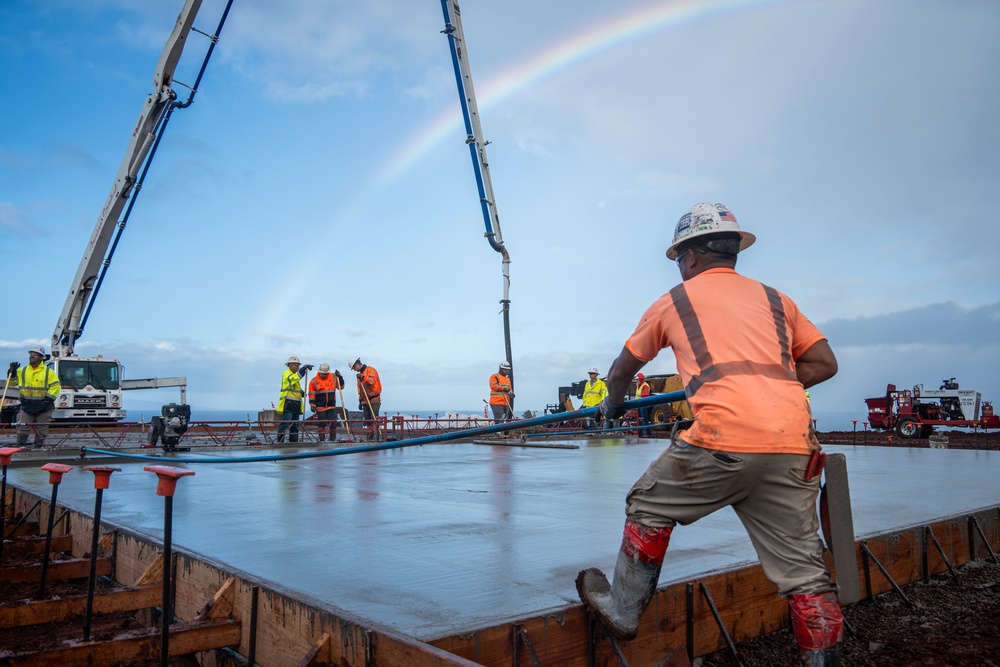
(816, 365)
(620, 376)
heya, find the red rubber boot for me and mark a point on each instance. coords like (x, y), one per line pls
(818, 627)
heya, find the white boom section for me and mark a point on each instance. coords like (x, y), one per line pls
(157, 383)
(68, 327)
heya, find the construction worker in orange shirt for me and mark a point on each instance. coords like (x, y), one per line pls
(323, 401)
(369, 394)
(502, 393)
(642, 390)
(743, 350)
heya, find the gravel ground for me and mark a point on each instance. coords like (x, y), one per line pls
(952, 621)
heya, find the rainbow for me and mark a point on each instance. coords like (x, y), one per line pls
(575, 49)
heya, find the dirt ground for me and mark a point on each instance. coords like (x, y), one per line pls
(951, 622)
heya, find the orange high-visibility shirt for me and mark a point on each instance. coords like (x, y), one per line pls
(497, 395)
(736, 342)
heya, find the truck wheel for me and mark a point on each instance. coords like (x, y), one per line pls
(659, 414)
(908, 427)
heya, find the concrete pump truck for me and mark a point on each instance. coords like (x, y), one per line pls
(92, 387)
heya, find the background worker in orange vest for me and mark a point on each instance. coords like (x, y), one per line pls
(502, 394)
(642, 391)
(369, 393)
(323, 400)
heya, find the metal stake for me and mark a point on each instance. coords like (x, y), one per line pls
(165, 487)
(868, 554)
(56, 471)
(102, 479)
(5, 455)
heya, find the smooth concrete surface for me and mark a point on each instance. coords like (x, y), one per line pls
(435, 539)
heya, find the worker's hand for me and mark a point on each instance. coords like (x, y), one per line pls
(312, 406)
(12, 371)
(360, 376)
(605, 410)
(307, 367)
(512, 394)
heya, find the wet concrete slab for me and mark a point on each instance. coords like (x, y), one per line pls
(436, 539)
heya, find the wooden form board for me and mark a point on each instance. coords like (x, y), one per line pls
(747, 602)
(142, 644)
(60, 609)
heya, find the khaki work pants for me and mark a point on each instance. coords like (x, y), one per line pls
(777, 507)
(37, 423)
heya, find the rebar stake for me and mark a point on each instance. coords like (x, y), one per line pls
(56, 471)
(102, 480)
(718, 622)
(5, 455)
(165, 487)
(885, 573)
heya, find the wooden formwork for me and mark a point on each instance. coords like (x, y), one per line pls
(279, 628)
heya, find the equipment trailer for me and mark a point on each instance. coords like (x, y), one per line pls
(914, 413)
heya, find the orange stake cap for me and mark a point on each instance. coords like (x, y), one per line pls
(56, 471)
(102, 475)
(168, 476)
(7, 452)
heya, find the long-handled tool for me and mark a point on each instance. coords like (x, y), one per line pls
(371, 411)
(343, 407)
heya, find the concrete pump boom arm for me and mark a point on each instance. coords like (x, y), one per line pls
(143, 135)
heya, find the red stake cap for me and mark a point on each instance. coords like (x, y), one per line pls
(102, 475)
(56, 471)
(7, 452)
(168, 476)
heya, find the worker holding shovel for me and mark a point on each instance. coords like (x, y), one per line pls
(369, 394)
(502, 394)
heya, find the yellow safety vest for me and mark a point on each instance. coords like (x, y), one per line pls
(291, 390)
(34, 384)
(594, 393)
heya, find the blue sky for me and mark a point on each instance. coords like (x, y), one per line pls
(318, 198)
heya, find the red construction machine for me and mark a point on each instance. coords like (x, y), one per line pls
(914, 413)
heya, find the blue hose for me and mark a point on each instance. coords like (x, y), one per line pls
(583, 413)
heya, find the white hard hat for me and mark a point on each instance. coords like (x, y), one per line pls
(705, 218)
(357, 360)
(593, 370)
(324, 368)
(293, 360)
(505, 364)
(38, 349)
